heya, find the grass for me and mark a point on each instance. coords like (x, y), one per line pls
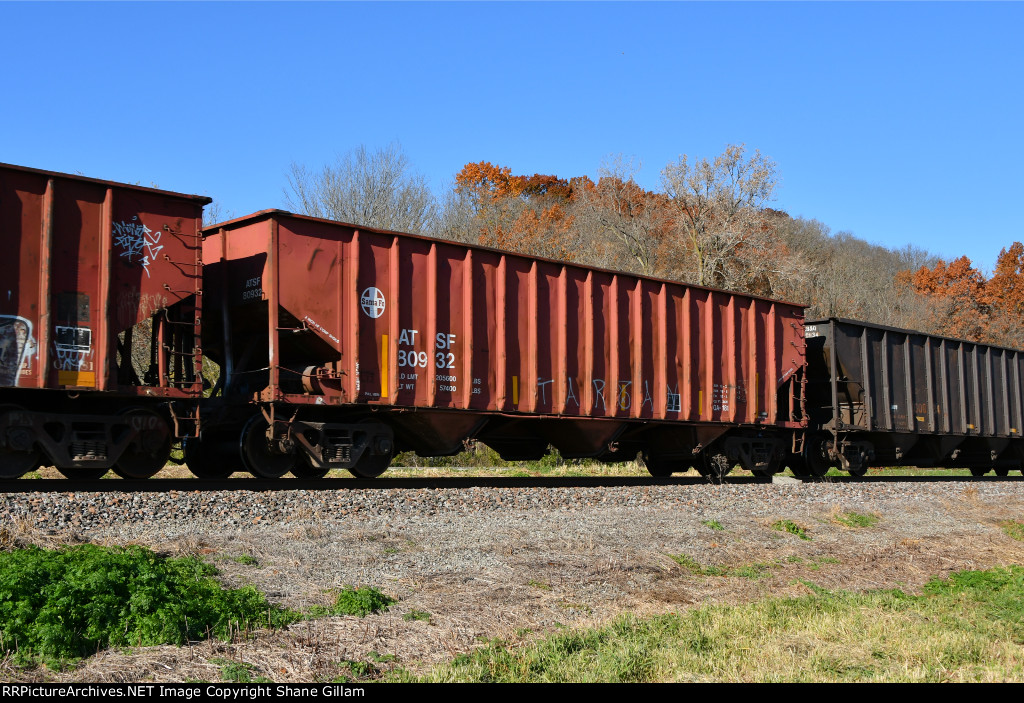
(750, 571)
(792, 528)
(1013, 528)
(856, 520)
(713, 524)
(582, 607)
(968, 627)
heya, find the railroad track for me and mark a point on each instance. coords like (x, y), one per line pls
(158, 485)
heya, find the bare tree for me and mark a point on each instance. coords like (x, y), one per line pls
(718, 210)
(456, 217)
(844, 276)
(215, 213)
(625, 213)
(377, 189)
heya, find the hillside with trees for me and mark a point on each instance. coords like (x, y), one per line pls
(709, 224)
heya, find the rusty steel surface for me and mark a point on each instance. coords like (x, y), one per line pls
(359, 317)
(85, 261)
(895, 380)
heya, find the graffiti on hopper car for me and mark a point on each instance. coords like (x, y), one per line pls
(17, 347)
(139, 244)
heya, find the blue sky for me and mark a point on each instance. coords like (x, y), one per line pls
(901, 123)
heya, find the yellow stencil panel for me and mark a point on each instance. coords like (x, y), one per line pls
(385, 372)
(76, 378)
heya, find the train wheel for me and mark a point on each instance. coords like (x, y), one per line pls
(857, 473)
(372, 465)
(207, 458)
(150, 450)
(257, 456)
(85, 474)
(1002, 471)
(659, 467)
(816, 456)
(15, 463)
(304, 470)
(18, 453)
(797, 465)
(773, 467)
(978, 471)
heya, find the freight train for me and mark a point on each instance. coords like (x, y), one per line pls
(340, 345)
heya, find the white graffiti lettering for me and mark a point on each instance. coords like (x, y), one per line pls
(133, 305)
(72, 348)
(571, 395)
(542, 384)
(70, 359)
(139, 244)
(674, 402)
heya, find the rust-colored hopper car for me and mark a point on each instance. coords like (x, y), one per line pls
(340, 345)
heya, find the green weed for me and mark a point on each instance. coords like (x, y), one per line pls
(539, 584)
(791, 527)
(238, 672)
(713, 524)
(73, 601)
(417, 615)
(246, 559)
(358, 601)
(357, 670)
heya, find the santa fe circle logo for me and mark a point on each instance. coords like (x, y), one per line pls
(373, 302)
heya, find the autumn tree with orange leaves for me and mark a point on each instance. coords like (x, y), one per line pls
(966, 305)
(957, 291)
(518, 213)
(1004, 294)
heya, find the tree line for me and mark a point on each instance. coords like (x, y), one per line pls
(709, 224)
